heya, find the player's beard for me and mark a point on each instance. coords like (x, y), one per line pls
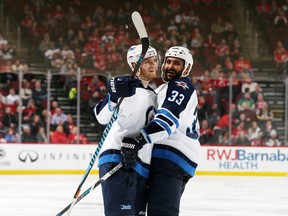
(171, 74)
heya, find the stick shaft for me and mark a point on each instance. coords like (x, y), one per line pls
(86, 192)
(140, 27)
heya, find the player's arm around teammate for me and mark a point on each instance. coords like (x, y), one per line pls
(174, 132)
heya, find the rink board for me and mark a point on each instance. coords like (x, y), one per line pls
(74, 159)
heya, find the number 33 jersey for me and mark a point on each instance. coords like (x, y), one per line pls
(175, 128)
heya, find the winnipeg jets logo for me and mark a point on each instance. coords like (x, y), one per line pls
(126, 207)
(182, 84)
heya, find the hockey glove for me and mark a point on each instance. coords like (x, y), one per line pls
(129, 149)
(123, 86)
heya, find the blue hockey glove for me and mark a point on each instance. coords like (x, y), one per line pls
(129, 149)
(122, 86)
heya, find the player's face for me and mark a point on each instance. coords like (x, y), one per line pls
(173, 68)
(148, 68)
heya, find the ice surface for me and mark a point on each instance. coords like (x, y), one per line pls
(46, 195)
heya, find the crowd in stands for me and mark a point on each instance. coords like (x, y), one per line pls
(34, 120)
(273, 15)
(69, 34)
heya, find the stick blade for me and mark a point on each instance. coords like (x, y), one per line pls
(139, 24)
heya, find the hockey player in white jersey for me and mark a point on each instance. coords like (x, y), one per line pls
(125, 193)
(174, 131)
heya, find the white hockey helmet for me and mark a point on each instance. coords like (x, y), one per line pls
(134, 53)
(181, 53)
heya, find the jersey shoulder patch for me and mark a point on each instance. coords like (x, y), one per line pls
(182, 84)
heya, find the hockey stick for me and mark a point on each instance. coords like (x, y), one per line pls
(85, 193)
(140, 27)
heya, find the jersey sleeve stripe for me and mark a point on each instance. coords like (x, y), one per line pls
(164, 118)
(169, 115)
(164, 125)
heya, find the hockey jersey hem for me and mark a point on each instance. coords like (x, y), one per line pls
(114, 156)
(175, 156)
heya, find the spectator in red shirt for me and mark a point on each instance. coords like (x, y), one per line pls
(29, 111)
(58, 15)
(209, 42)
(259, 140)
(147, 18)
(222, 48)
(96, 83)
(100, 63)
(54, 105)
(242, 63)
(58, 136)
(260, 102)
(88, 24)
(263, 8)
(281, 57)
(113, 58)
(28, 21)
(228, 64)
(174, 5)
(223, 123)
(209, 46)
(220, 128)
(5, 68)
(222, 81)
(240, 129)
(95, 38)
(208, 90)
(73, 138)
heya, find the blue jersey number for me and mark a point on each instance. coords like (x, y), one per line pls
(176, 97)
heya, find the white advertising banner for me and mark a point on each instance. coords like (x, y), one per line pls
(51, 158)
(245, 160)
(45, 157)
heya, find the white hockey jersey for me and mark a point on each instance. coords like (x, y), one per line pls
(134, 113)
(175, 128)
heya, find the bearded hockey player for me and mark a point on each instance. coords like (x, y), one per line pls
(174, 131)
